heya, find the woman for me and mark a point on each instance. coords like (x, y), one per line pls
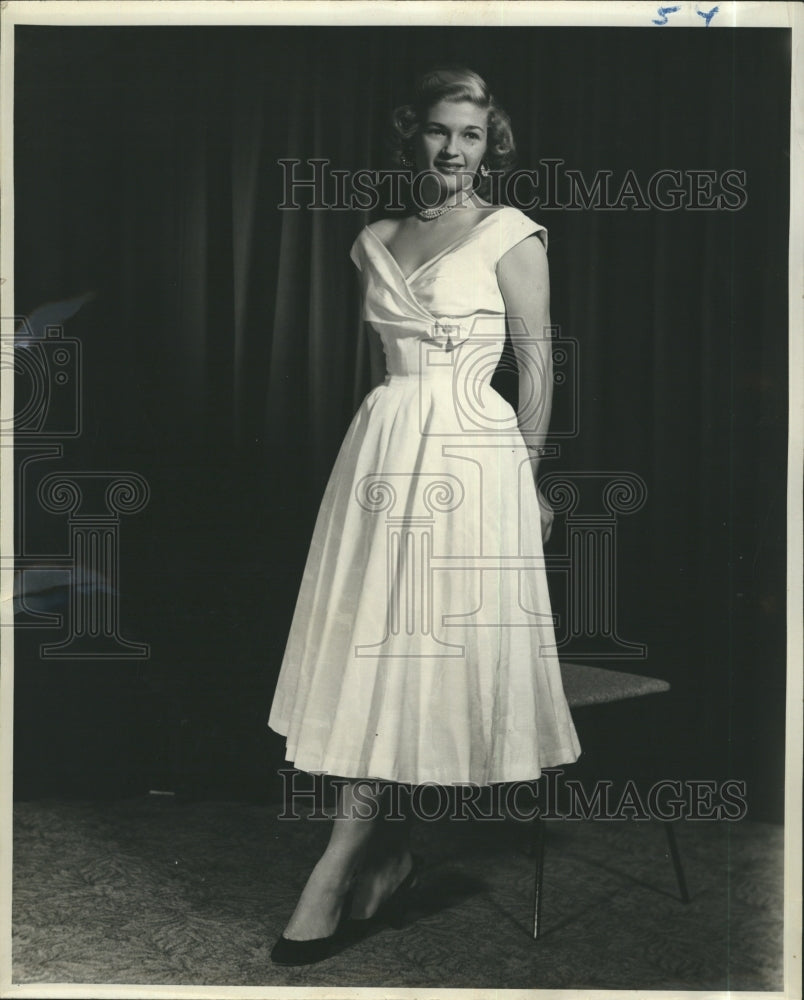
(416, 654)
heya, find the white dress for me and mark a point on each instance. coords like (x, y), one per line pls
(422, 646)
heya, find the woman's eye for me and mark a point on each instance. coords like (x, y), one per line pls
(472, 135)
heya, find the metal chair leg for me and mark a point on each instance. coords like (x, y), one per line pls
(676, 859)
(537, 852)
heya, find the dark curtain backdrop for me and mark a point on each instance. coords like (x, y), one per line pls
(223, 358)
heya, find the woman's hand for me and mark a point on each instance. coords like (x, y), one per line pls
(547, 516)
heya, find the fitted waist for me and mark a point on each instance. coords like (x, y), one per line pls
(456, 403)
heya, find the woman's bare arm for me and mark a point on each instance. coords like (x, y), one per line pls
(524, 280)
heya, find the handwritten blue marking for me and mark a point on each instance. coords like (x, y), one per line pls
(707, 15)
(663, 12)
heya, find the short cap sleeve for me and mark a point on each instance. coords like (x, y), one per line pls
(512, 227)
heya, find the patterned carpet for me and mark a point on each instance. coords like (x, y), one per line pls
(154, 891)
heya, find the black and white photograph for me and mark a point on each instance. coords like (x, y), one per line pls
(401, 490)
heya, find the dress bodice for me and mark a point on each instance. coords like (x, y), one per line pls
(451, 300)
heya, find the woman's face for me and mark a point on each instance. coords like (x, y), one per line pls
(451, 142)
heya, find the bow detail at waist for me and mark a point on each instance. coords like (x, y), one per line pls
(448, 333)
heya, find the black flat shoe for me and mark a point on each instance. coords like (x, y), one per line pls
(394, 910)
(286, 951)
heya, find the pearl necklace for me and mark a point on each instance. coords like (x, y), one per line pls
(435, 213)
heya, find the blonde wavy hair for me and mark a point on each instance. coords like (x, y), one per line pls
(454, 83)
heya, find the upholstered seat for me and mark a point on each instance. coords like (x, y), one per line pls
(599, 686)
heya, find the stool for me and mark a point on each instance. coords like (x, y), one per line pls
(597, 686)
